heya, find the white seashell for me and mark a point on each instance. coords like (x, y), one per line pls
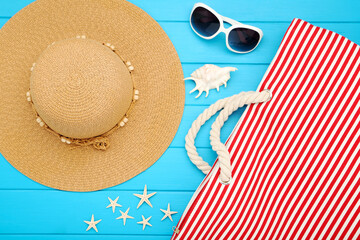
(122, 124)
(63, 139)
(209, 77)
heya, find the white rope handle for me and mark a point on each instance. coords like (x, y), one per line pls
(229, 105)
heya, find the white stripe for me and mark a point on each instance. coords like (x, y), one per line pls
(205, 206)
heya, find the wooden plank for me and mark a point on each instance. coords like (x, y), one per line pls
(173, 171)
(193, 49)
(186, 176)
(202, 140)
(58, 212)
(256, 10)
(180, 173)
(246, 78)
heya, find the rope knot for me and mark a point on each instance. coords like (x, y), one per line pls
(101, 143)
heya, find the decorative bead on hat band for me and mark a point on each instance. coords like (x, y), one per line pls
(100, 142)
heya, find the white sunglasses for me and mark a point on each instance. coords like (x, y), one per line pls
(207, 23)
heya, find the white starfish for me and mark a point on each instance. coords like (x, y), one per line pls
(145, 222)
(92, 223)
(168, 213)
(113, 204)
(124, 215)
(144, 197)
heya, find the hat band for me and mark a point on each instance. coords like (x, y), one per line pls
(100, 142)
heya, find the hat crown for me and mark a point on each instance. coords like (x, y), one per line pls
(80, 88)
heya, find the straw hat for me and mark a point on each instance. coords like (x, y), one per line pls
(91, 92)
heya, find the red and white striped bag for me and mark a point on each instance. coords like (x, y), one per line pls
(294, 160)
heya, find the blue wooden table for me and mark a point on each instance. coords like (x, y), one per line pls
(29, 210)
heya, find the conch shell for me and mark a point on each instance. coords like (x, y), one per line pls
(209, 77)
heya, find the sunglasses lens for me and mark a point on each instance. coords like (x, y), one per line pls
(204, 22)
(243, 39)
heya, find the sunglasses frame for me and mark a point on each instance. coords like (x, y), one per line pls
(222, 19)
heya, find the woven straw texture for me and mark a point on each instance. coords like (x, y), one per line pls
(153, 121)
(80, 88)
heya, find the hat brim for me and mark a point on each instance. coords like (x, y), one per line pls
(152, 124)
